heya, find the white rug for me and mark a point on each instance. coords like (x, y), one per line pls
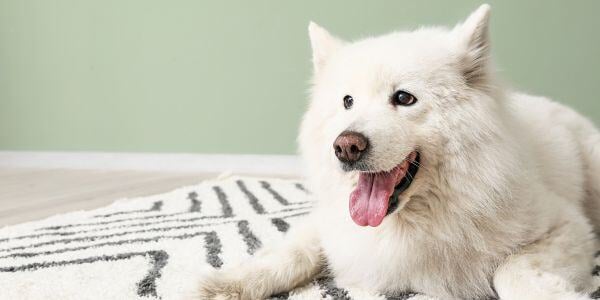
(156, 247)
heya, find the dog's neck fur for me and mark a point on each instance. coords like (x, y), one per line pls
(487, 158)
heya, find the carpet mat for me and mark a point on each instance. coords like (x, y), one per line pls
(156, 247)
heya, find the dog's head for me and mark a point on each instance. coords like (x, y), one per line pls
(386, 108)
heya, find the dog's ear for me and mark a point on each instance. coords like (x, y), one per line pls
(474, 38)
(323, 45)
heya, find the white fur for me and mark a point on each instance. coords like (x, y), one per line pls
(502, 202)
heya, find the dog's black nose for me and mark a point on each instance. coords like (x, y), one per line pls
(349, 146)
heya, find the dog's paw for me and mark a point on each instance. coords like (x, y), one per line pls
(220, 286)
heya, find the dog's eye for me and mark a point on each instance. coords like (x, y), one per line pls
(403, 98)
(348, 101)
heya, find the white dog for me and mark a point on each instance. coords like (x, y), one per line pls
(430, 176)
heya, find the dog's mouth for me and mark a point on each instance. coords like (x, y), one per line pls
(376, 194)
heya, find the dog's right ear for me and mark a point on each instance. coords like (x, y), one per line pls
(323, 45)
(474, 37)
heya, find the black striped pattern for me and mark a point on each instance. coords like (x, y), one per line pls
(203, 213)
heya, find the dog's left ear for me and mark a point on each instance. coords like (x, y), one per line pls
(474, 38)
(323, 45)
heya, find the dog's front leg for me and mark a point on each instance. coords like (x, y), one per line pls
(271, 271)
(555, 267)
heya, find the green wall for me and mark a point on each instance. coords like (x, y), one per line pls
(231, 76)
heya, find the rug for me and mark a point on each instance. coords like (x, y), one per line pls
(157, 247)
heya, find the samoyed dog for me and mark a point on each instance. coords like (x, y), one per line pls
(432, 177)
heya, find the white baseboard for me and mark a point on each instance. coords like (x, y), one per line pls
(286, 165)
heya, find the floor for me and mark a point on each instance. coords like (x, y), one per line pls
(28, 194)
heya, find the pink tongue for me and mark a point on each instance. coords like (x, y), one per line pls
(370, 199)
